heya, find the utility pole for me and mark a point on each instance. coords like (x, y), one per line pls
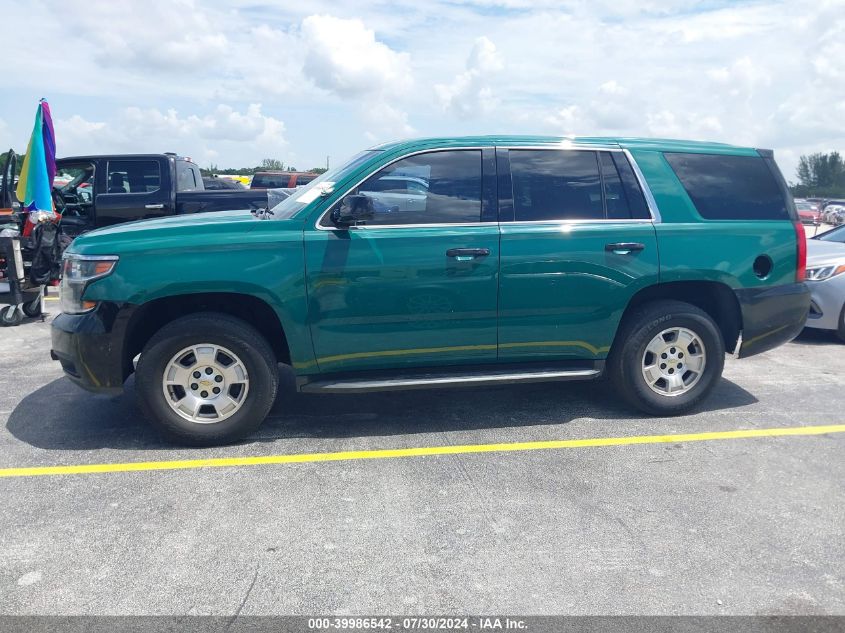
(327, 162)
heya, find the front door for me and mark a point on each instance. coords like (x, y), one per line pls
(416, 284)
(577, 243)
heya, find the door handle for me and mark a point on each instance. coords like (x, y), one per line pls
(153, 206)
(467, 254)
(624, 248)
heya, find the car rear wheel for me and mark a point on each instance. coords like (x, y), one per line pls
(667, 357)
(206, 379)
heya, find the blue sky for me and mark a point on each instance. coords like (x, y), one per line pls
(232, 83)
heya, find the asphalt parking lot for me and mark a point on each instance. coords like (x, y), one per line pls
(730, 525)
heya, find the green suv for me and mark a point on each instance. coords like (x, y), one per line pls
(446, 262)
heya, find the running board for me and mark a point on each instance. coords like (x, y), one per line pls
(440, 381)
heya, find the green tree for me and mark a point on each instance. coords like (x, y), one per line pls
(318, 170)
(272, 164)
(820, 175)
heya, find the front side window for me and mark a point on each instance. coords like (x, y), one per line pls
(133, 176)
(432, 188)
(556, 185)
(730, 187)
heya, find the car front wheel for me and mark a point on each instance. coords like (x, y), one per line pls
(667, 358)
(206, 379)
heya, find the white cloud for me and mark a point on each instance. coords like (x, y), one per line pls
(167, 35)
(764, 72)
(612, 87)
(385, 123)
(250, 135)
(344, 57)
(470, 93)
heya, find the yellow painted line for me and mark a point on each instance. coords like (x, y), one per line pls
(263, 460)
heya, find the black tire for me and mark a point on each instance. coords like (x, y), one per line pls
(841, 331)
(211, 328)
(33, 308)
(625, 363)
(10, 316)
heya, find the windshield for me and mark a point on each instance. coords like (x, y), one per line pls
(834, 235)
(302, 196)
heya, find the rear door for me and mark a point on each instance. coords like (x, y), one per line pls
(413, 286)
(133, 189)
(577, 241)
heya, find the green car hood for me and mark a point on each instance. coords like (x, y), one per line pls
(182, 231)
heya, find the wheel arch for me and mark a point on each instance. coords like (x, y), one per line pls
(151, 316)
(713, 297)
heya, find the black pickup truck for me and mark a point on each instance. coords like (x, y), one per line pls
(110, 189)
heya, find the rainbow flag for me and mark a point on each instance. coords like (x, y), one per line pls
(39, 165)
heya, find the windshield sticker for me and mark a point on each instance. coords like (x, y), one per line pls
(315, 192)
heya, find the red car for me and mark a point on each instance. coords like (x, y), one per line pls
(808, 212)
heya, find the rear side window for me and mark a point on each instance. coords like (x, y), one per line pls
(730, 187)
(575, 185)
(187, 177)
(270, 181)
(555, 185)
(133, 176)
(431, 188)
(637, 207)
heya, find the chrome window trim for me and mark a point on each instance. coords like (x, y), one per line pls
(581, 221)
(651, 203)
(649, 197)
(435, 225)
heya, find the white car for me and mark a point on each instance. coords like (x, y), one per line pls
(401, 193)
(832, 212)
(826, 280)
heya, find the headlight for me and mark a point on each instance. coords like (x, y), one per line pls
(77, 272)
(824, 272)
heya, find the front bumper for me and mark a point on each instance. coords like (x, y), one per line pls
(828, 303)
(771, 316)
(90, 347)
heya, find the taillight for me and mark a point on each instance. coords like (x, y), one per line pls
(801, 263)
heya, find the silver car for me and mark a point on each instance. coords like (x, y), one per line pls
(826, 279)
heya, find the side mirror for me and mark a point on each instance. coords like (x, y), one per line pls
(353, 209)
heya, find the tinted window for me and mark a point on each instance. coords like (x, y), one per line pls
(270, 181)
(615, 197)
(133, 176)
(438, 187)
(634, 195)
(186, 177)
(555, 185)
(303, 180)
(730, 187)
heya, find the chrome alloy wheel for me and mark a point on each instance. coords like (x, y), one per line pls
(205, 383)
(674, 361)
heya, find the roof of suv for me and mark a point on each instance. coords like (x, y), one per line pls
(622, 142)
